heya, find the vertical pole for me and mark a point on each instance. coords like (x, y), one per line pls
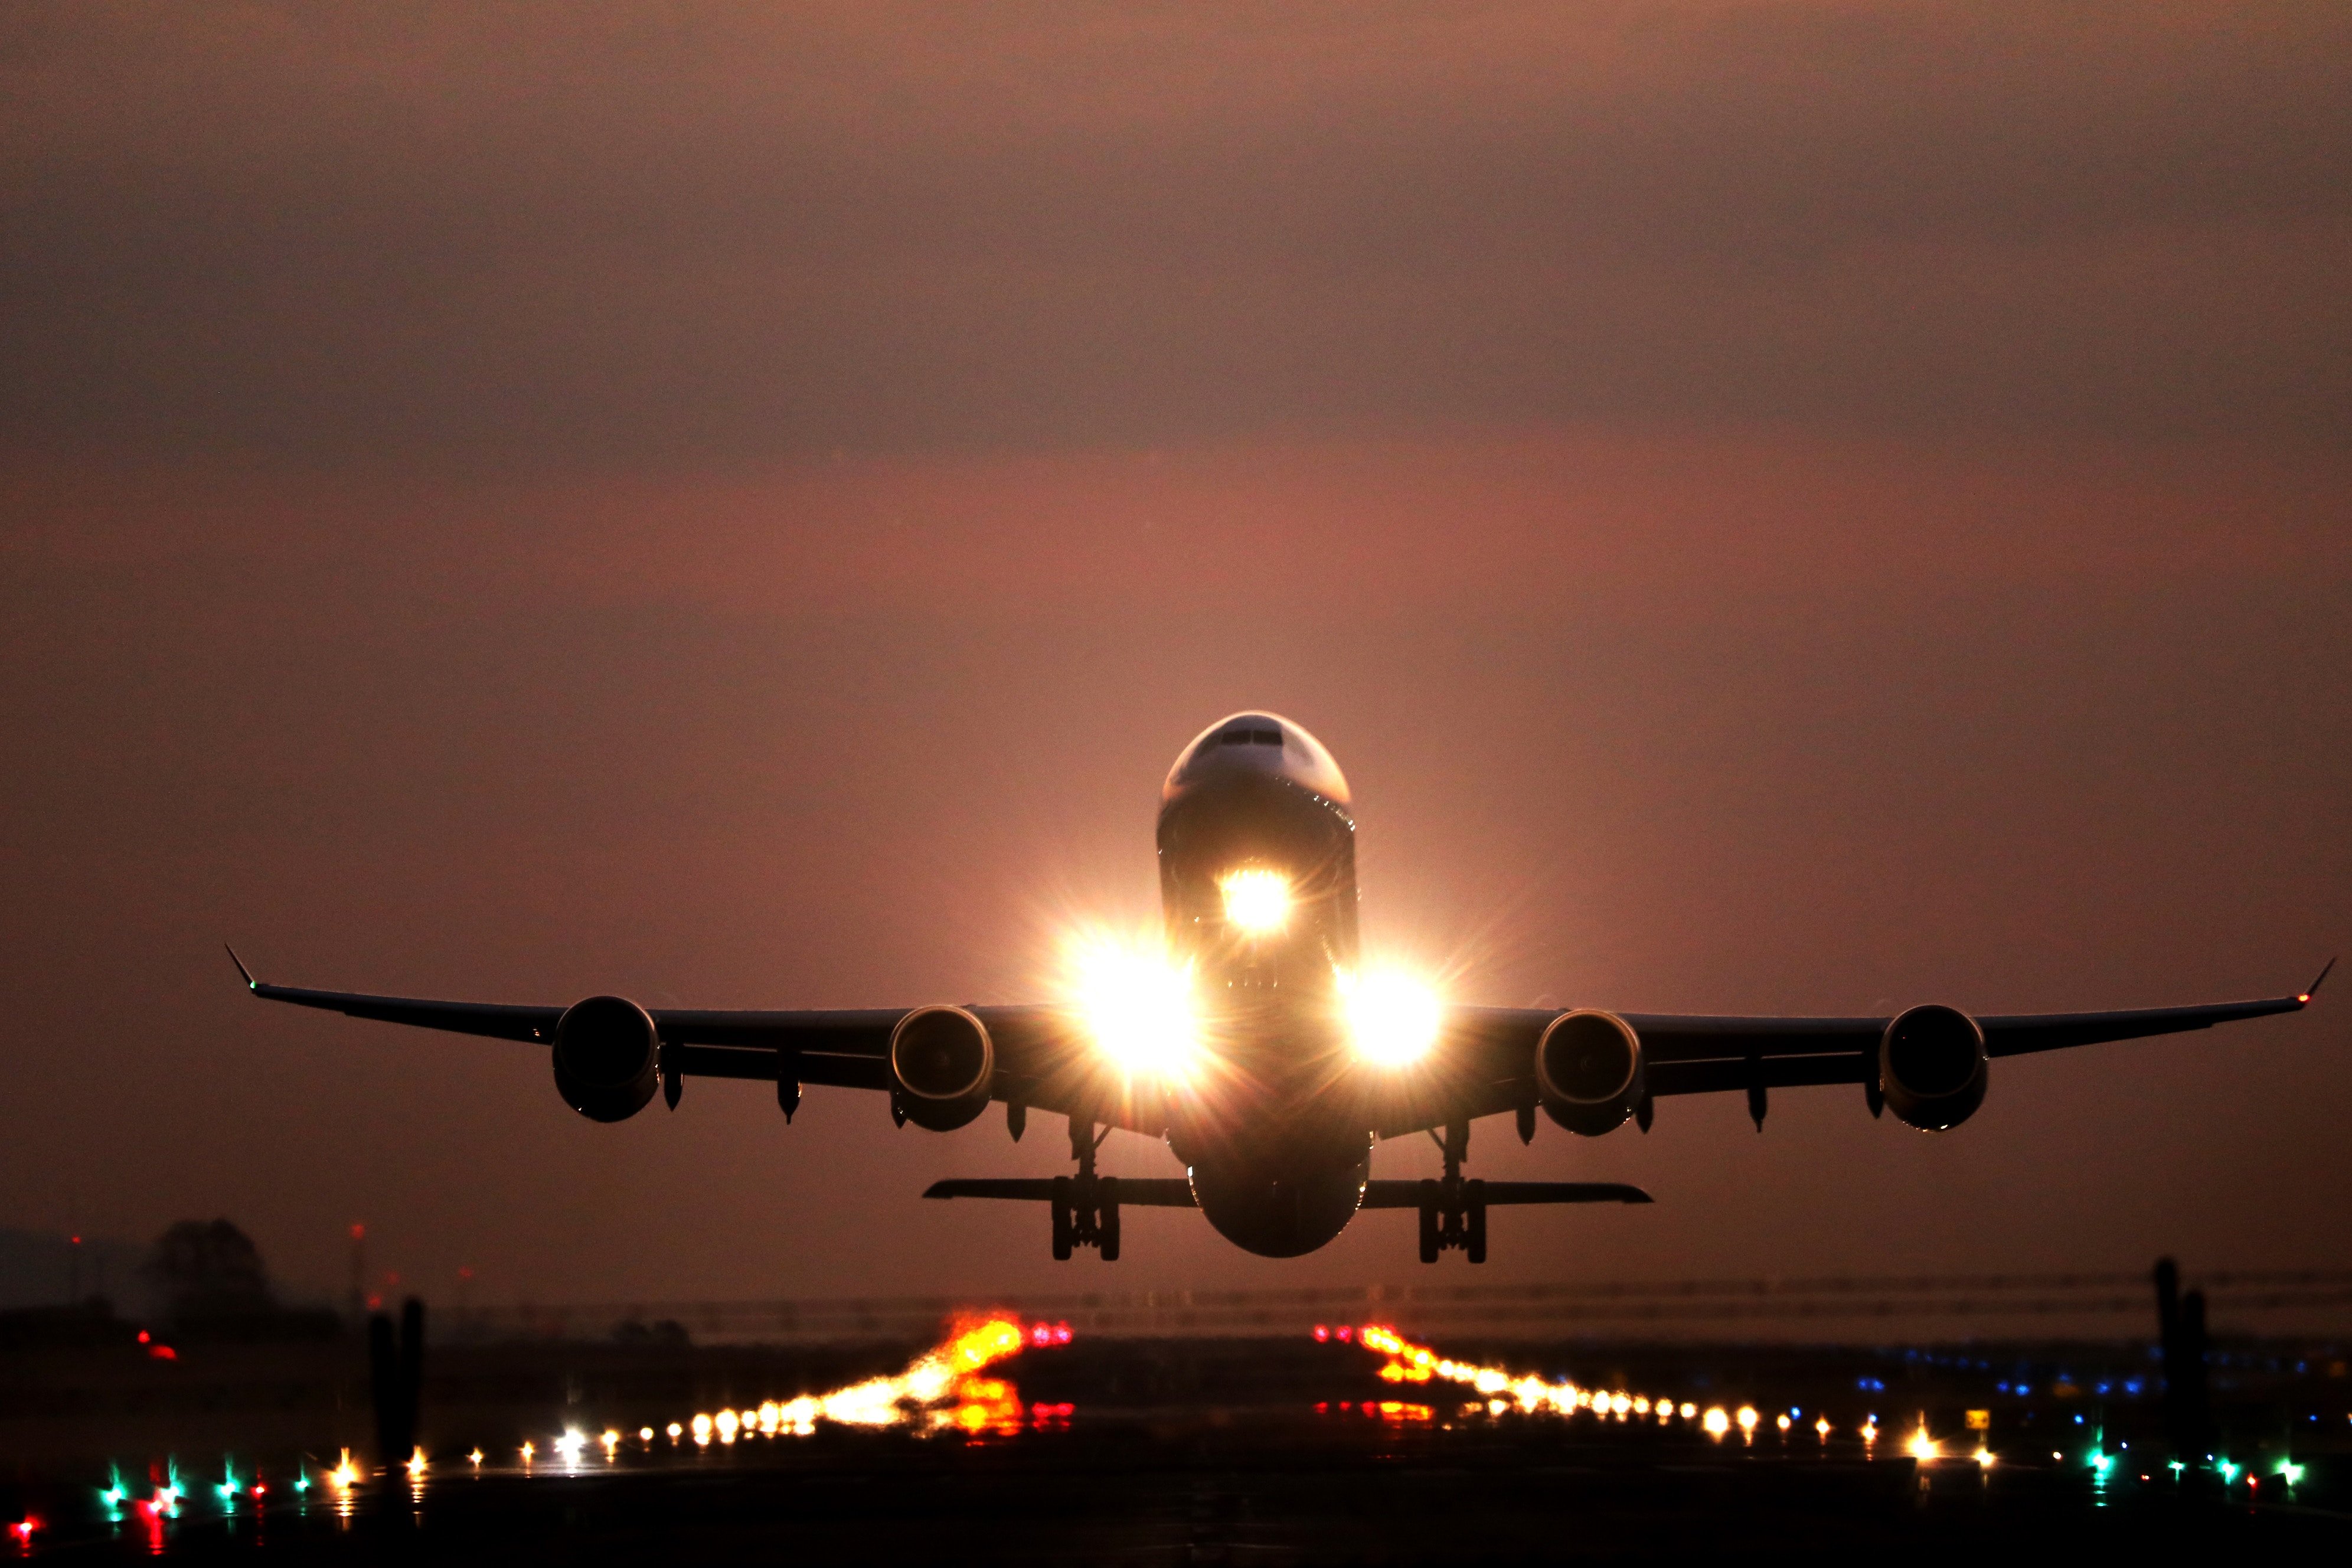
(411, 1373)
(2167, 1330)
(357, 1306)
(2200, 1413)
(384, 1390)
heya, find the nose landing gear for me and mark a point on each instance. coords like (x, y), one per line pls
(1086, 1206)
(1453, 1210)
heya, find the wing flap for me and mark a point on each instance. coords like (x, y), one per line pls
(1133, 1192)
(1406, 1194)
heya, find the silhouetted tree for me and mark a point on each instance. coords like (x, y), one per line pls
(209, 1270)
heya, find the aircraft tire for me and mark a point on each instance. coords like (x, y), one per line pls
(1431, 1241)
(1107, 1228)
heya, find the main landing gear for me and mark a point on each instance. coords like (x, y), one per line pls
(1453, 1210)
(1086, 1206)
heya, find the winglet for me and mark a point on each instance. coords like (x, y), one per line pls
(2313, 989)
(243, 972)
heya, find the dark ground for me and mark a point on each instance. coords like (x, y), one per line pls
(1179, 1451)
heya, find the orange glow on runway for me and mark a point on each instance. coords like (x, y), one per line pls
(1415, 1364)
(942, 1386)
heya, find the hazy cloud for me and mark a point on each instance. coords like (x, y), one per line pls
(533, 234)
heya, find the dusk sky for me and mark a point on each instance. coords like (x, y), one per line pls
(1776, 507)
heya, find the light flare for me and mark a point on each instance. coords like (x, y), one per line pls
(1136, 1004)
(1393, 1019)
(1923, 1446)
(1257, 900)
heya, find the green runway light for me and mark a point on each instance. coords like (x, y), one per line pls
(2228, 1471)
(2289, 1471)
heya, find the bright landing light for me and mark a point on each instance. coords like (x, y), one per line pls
(1257, 901)
(1391, 1018)
(1136, 1004)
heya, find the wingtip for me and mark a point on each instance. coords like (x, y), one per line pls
(2313, 989)
(242, 972)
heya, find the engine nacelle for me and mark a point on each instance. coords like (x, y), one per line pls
(941, 1064)
(607, 1057)
(1589, 1071)
(1932, 1067)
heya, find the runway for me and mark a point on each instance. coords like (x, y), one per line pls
(1348, 1445)
(1220, 1485)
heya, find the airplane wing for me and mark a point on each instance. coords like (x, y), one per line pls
(1175, 1192)
(1039, 1062)
(1485, 1064)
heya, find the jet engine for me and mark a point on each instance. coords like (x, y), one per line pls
(1589, 1071)
(942, 1065)
(607, 1057)
(1932, 1068)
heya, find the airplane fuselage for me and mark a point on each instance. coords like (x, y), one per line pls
(1257, 880)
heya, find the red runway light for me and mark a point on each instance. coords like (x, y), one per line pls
(142, 1336)
(162, 1352)
(1322, 1334)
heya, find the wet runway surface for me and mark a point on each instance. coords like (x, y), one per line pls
(1267, 1487)
(1008, 1442)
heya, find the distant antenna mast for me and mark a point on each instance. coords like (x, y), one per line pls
(358, 1305)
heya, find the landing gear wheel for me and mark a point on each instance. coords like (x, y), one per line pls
(1474, 1199)
(1107, 1227)
(1432, 1241)
(1061, 1207)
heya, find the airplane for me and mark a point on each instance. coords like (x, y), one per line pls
(1255, 1046)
